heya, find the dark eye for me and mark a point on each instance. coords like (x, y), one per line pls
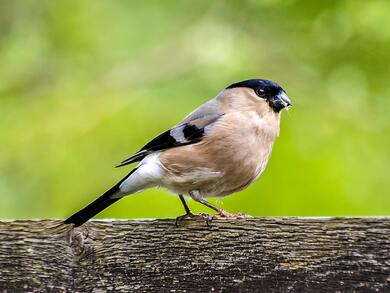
(260, 92)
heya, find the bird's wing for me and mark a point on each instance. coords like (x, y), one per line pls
(188, 132)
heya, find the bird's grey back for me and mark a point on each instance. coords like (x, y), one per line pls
(211, 107)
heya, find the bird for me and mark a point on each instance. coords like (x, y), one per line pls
(220, 148)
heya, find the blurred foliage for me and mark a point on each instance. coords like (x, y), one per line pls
(83, 84)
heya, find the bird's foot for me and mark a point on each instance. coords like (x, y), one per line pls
(208, 218)
(225, 214)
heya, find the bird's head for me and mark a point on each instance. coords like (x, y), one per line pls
(268, 90)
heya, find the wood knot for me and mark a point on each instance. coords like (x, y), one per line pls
(81, 244)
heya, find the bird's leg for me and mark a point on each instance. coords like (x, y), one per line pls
(189, 213)
(183, 201)
(195, 195)
(220, 211)
(187, 209)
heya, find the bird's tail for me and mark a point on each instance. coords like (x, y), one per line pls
(95, 207)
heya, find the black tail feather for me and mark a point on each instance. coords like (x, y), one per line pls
(96, 206)
(93, 208)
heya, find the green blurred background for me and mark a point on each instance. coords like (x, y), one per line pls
(84, 84)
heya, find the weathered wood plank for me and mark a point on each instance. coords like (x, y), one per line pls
(257, 254)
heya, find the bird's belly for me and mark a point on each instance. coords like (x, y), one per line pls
(227, 172)
(241, 175)
(230, 157)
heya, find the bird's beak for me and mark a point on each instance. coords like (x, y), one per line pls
(280, 101)
(284, 99)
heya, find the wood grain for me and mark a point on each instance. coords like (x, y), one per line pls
(256, 254)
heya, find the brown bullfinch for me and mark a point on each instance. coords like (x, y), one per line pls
(218, 149)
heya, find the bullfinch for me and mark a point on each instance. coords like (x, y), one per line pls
(220, 148)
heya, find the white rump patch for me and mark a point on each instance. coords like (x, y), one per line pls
(148, 174)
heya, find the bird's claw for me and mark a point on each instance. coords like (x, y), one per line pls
(228, 215)
(208, 218)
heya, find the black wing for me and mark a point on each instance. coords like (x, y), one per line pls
(183, 134)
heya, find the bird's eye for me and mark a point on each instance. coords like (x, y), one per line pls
(260, 92)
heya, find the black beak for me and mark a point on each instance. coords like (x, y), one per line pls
(280, 101)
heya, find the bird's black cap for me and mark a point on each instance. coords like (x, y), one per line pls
(267, 89)
(256, 84)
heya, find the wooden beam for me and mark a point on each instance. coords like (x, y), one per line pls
(257, 254)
